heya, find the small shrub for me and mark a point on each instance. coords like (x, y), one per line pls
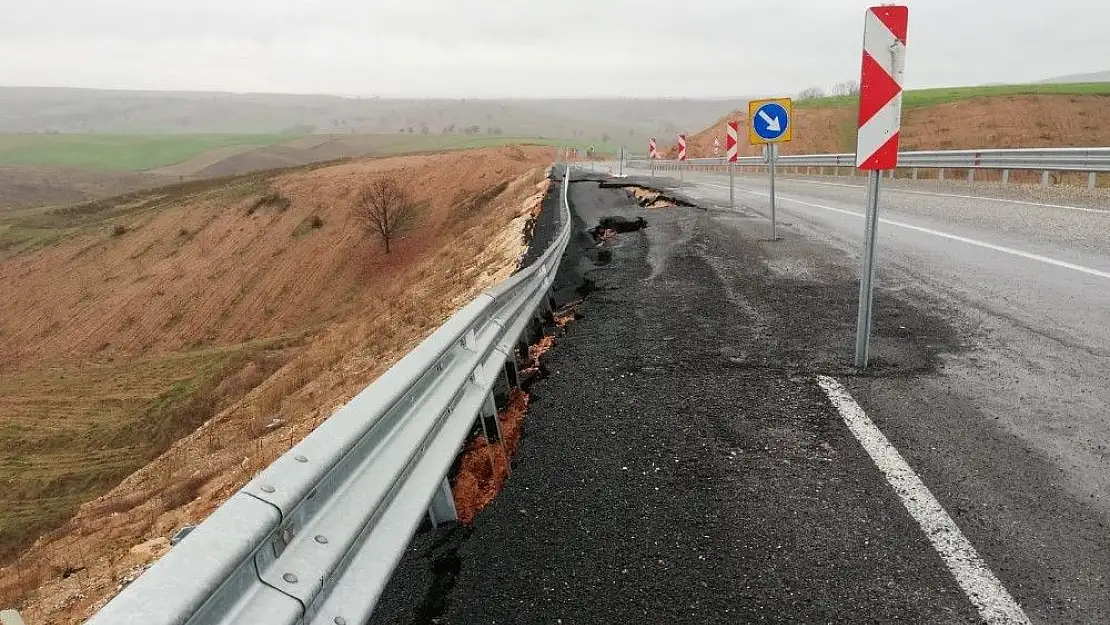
(315, 222)
(274, 199)
(119, 230)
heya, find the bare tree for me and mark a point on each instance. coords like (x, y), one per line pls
(846, 88)
(811, 94)
(386, 205)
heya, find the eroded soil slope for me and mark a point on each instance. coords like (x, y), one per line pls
(181, 341)
(1031, 121)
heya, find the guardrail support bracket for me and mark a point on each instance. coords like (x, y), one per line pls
(442, 508)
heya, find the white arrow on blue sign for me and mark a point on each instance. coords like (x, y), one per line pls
(771, 121)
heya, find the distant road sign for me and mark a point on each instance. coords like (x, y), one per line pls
(770, 121)
(681, 147)
(731, 137)
(652, 152)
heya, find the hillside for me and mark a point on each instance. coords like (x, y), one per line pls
(121, 112)
(931, 122)
(57, 169)
(248, 308)
(1073, 78)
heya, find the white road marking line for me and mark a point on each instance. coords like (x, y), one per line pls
(1084, 209)
(982, 587)
(962, 197)
(953, 237)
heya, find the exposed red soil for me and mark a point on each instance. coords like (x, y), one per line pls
(1029, 121)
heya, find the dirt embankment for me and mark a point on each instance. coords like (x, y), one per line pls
(251, 309)
(1031, 121)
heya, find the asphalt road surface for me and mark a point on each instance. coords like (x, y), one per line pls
(685, 461)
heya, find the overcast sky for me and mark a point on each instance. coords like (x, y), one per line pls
(525, 48)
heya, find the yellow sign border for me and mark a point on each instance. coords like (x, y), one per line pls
(754, 105)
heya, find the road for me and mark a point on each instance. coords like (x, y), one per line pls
(1017, 429)
(684, 463)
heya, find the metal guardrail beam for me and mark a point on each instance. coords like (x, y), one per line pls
(314, 537)
(1037, 159)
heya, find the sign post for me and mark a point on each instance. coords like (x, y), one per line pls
(681, 156)
(732, 135)
(880, 122)
(770, 123)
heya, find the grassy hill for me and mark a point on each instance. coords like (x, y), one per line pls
(931, 97)
(119, 152)
(1017, 116)
(179, 340)
(56, 169)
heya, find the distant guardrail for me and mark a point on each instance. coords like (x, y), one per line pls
(1091, 161)
(314, 537)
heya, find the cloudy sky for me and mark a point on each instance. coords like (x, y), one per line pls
(524, 48)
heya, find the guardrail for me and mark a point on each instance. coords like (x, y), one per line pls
(1091, 161)
(314, 538)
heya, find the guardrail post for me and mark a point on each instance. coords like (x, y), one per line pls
(915, 173)
(1005, 177)
(442, 507)
(1092, 180)
(1044, 178)
(970, 176)
(512, 373)
(491, 425)
(940, 174)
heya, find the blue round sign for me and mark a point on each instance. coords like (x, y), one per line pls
(771, 121)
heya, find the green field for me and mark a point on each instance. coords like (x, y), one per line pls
(144, 152)
(403, 143)
(118, 152)
(930, 97)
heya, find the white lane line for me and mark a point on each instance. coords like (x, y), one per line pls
(1084, 209)
(946, 235)
(962, 197)
(982, 587)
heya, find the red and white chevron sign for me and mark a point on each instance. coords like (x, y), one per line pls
(652, 151)
(880, 98)
(681, 147)
(731, 137)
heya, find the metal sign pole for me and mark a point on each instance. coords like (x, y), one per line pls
(773, 155)
(867, 277)
(652, 158)
(731, 189)
(622, 162)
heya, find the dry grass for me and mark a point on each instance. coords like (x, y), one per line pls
(242, 413)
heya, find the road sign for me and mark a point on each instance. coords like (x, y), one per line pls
(880, 121)
(770, 121)
(681, 147)
(880, 99)
(732, 135)
(652, 152)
